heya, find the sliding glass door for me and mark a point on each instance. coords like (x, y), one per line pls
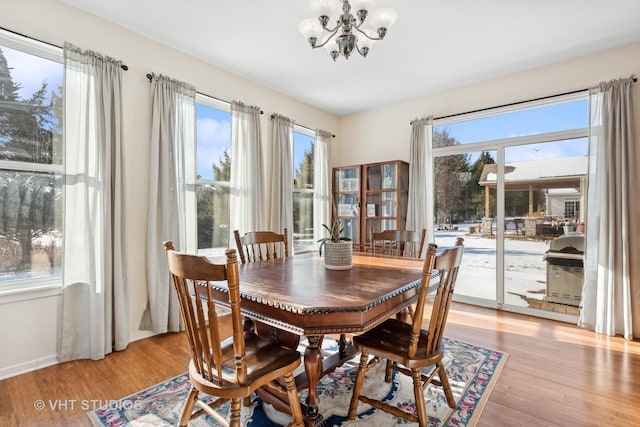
(460, 209)
(512, 183)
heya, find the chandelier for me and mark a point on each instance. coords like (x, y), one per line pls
(350, 33)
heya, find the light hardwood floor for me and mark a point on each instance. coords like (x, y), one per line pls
(556, 375)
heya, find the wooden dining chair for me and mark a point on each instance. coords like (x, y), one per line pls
(405, 243)
(230, 369)
(266, 245)
(261, 245)
(407, 347)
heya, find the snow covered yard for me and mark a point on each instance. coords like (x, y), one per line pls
(525, 268)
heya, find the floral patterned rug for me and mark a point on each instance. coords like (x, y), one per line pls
(472, 372)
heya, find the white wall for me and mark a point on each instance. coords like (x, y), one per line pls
(383, 133)
(28, 328)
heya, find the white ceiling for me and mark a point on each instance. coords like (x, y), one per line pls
(434, 45)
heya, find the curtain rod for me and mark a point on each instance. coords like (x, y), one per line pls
(635, 79)
(302, 126)
(123, 66)
(150, 77)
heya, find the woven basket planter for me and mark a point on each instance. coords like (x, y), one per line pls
(337, 255)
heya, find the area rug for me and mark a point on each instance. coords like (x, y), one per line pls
(472, 372)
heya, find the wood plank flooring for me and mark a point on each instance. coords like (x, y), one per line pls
(556, 375)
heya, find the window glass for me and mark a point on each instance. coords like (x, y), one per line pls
(213, 139)
(527, 121)
(213, 160)
(31, 169)
(303, 144)
(510, 183)
(303, 160)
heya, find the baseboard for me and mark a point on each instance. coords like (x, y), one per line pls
(140, 335)
(43, 362)
(24, 367)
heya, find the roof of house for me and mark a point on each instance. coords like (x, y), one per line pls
(559, 172)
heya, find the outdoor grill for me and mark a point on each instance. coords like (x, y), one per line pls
(565, 263)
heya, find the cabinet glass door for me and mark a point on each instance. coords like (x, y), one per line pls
(347, 201)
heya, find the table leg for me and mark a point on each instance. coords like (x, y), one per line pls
(343, 342)
(313, 369)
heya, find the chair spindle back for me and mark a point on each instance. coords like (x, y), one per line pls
(191, 276)
(404, 243)
(447, 263)
(261, 245)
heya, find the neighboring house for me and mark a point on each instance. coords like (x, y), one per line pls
(561, 180)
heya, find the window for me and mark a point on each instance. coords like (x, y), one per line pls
(571, 208)
(213, 164)
(31, 163)
(303, 145)
(504, 180)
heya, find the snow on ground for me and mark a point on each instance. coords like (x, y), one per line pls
(525, 268)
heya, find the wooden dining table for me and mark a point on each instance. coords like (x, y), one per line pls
(299, 295)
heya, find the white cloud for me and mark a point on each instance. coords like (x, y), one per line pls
(29, 71)
(213, 138)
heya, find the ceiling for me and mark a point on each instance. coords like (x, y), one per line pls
(434, 45)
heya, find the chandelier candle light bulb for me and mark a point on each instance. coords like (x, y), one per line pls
(351, 32)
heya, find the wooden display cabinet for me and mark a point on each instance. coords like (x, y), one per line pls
(371, 195)
(346, 196)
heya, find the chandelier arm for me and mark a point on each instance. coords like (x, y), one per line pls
(367, 35)
(327, 40)
(332, 30)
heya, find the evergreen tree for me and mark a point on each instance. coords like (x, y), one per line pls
(476, 192)
(303, 202)
(304, 171)
(213, 207)
(450, 177)
(8, 103)
(27, 130)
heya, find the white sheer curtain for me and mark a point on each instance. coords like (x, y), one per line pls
(171, 195)
(322, 183)
(95, 300)
(282, 176)
(611, 294)
(246, 199)
(420, 201)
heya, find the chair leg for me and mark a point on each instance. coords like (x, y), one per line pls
(294, 400)
(387, 371)
(357, 388)
(187, 409)
(246, 401)
(236, 405)
(444, 380)
(419, 396)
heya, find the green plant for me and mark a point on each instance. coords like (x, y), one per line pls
(334, 235)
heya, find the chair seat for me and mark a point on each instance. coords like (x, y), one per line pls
(233, 368)
(265, 362)
(391, 339)
(408, 347)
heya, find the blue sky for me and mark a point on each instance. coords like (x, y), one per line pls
(214, 126)
(27, 70)
(550, 118)
(213, 135)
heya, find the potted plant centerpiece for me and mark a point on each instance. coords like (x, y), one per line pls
(337, 248)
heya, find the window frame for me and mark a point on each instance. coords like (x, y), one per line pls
(310, 133)
(29, 288)
(499, 146)
(217, 104)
